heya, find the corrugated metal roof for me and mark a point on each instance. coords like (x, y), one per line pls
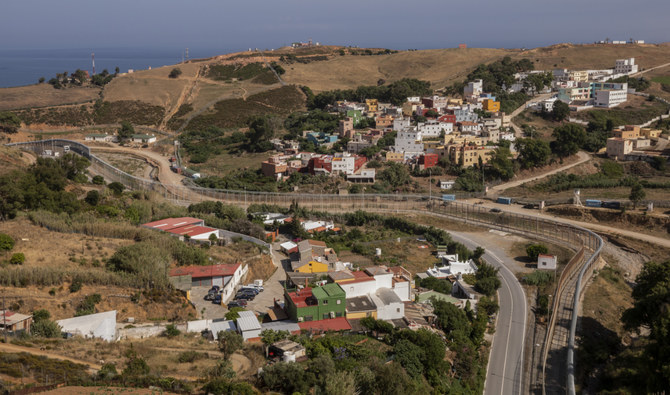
(218, 326)
(281, 326)
(248, 321)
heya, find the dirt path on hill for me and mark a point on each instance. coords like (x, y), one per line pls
(6, 347)
(186, 93)
(582, 157)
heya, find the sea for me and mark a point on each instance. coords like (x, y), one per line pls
(25, 66)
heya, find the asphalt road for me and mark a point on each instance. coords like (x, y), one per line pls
(505, 369)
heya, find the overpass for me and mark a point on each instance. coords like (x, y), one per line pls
(555, 377)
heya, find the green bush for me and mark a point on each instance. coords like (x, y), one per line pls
(172, 331)
(6, 242)
(175, 73)
(539, 278)
(45, 328)
(17, 259)
(190, 356)
(534, 250)
(98, 180)
(75, 285)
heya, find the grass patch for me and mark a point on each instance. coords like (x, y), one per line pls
(135, 112)
(253, 71)
(635, 111)
(665, 79)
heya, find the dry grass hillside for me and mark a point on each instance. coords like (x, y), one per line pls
(439, 66)
(44, 95)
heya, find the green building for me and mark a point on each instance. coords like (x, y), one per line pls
(314, 304)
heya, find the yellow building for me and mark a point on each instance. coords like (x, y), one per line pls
(313, 267)
(579, 75)
(468, 155)
(395, 156)
(650, 133)
(371, 105)
(454, 102)
(491, 105)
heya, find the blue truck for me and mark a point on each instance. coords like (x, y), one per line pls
(448, 198)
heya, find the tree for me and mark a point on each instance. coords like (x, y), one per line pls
(269, 336)
(213, 239)
(223, 386)
(98, 180)
(532, 152)
(534, 250)
(650, 310)
(126, 131)
(175, 73)
(501, 165)
(9, 122)
(569, 139)
(229, 342)
(41, 314)
(395, 174)
(17, 259)
(261, 131)
(92, 198)
(409, 355)
(486, 279)
(561, 111)
(6, 242)
(637, 194)
(116, 187)
(287, 378)
(41, 80)
(340, 383)
(45, 328)
(436, 284)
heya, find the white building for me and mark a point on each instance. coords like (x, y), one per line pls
(100, 325)
(452, 267)
(248, 325)
(545, 261)
(447, 184)
(401, 124)
(474, 88)
(409, 142)
(343, 163)
(435, 128)
(610, 97)
(548, 104)
(389, 305)
(625, 66)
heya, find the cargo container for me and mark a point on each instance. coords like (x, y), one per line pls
(504, 200)
(593, 203)
(449, 198)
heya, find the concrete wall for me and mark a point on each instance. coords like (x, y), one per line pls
(359, 289)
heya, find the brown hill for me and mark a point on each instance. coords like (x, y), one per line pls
(320, 68)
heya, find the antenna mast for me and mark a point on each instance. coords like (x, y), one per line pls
(93, 61)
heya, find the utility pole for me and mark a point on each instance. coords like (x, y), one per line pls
(430, 187)
(4, 318)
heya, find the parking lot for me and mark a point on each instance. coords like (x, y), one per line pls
(211, 310)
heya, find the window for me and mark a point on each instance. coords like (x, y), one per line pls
(339, 301)
(325, 316)
(325, 302)
(309, 318)
(397, 310)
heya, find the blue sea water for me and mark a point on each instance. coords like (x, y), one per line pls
(25, 66)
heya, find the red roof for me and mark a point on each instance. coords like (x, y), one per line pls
(206, 271)
(333, 324)
(191, 230)
(171, 223)
(299, 297)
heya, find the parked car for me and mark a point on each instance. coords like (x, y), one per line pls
(246, 296)
(257, 288)
(210, 296)
(217, 299)
(250, 290)
(214, 289)
(237, 303)
(496, 210)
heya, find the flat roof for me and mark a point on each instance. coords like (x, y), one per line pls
(10, 318)
(300, 297)
(333, 324)
(191, 230)
(222, 270)
(248, 321)
(360, 303)
(387, 296)
(328, 290)
(171, 223)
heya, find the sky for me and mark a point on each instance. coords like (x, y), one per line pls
(223, 25)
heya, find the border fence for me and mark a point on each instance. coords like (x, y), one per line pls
(589, 243)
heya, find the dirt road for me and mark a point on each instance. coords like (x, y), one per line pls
(6, 347)
(583, 157)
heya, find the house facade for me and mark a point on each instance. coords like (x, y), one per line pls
(314, 304)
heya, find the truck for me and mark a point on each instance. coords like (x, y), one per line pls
(448, 198)
(614, 205)
(504, 200)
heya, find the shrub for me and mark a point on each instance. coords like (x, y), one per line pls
(92, 198)
(172, 331)
(116, 187)
(176, 72)
(98, 180)
(45, 328)
(6, 242)
(41, 314)
(75, 285)
(17, 259)
(190, 356)
(534, 250)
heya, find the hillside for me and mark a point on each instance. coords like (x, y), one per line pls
(205, 84)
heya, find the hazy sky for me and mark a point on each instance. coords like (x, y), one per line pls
(223, 25)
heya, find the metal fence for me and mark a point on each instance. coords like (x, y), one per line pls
(475, 214)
